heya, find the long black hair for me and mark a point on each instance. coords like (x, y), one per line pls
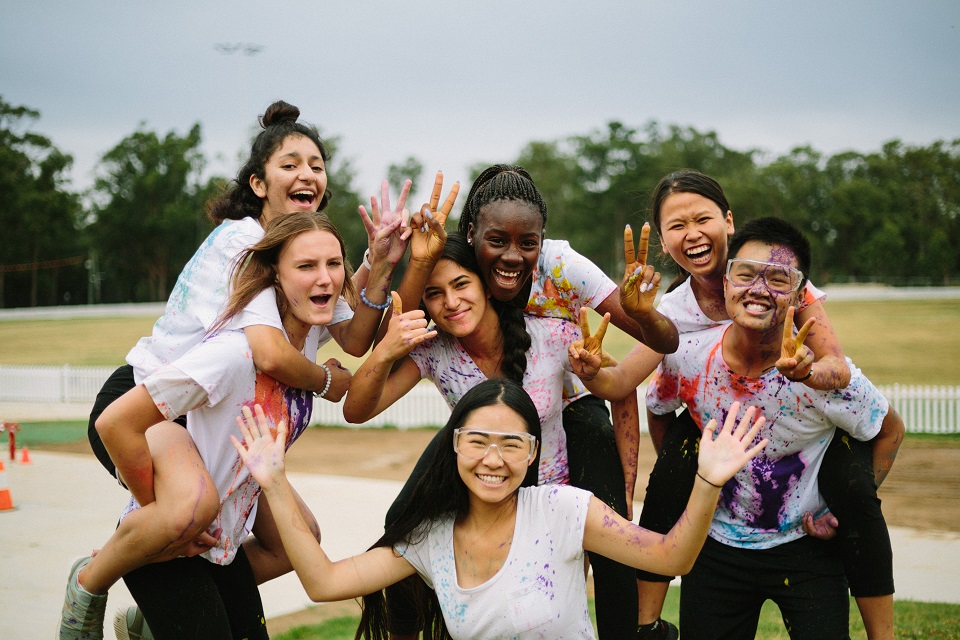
(278, 122)
(440, 493)
(516, 340)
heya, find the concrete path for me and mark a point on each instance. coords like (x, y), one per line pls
(66, 505)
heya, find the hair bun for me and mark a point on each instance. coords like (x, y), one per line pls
(279, 111)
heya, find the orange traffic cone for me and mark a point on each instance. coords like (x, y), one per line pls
(25, 455)
(6, 500)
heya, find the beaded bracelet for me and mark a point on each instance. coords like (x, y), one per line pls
(806, 377)
(373, 305)
(326, 386)
(708, 482)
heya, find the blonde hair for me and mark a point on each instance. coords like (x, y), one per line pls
(256, 267)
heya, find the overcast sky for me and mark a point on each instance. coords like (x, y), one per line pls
(455, 83)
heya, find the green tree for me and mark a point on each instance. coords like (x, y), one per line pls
(342, 208)
(42, 264)
(149, 204)
(410, 169)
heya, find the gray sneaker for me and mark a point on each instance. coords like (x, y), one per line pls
(129, 624)
(82, 615)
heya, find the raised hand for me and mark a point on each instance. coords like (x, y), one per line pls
(429, 237)
(404, 332)
(796, 359)
(387, 230)
(586, 355)
(261, 451)
(638, 290)
(724, 452)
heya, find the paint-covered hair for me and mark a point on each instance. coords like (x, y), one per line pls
(500, 182)
(516, 340)
(776, 231)
(685, 181)
(256, 267)
(278, 122)
(440, 493)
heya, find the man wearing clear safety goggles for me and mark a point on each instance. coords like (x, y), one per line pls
(778, 278)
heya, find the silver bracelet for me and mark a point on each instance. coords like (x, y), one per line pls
(326, 385)
(374, 305)
(366, 259)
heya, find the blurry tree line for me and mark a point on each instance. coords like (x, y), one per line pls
(888, 216)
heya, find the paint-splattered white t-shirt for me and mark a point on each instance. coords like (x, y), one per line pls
(444, 361)
(200, 296)
(563, 283)
(763, 505)
(538, 594)
(211, 383)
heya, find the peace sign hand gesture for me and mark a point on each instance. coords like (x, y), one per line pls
(429, 236)
(586, 355)
(638, 290)
(796, 359)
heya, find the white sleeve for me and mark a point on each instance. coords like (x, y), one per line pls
(173, 392)
(261, 310)
(858, 409)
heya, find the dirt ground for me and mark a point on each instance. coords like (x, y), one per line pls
(922, 491)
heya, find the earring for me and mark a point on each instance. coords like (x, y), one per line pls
(470, 241)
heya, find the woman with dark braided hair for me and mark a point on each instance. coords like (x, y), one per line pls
(505, 218)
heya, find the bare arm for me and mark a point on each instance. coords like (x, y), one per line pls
(323, 579)
(122, 427)
(378, 383)
(886, 444)
(610, 535)
(618, 381)
(275, 356)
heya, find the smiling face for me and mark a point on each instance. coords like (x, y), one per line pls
(295, 179)
(311, 271)
(456, 300)
(489, 478)
(506, 237)
(757, 306)
(694, 231)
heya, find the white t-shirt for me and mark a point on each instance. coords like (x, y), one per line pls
(450, 367)
(539, 593)
(211, 383)
(562, 284)
(763, 505)
(200, 296)
(681, 306)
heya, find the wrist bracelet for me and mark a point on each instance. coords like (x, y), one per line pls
(373, 305)
(326, 385)
(708, 482)
(806, 377)
(366, 260)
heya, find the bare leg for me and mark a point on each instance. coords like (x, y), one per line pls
(877, 614)
(187, 502)
(652, 596)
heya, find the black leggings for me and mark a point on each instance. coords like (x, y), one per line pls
(846, 483)
(594, 466)
(119, 382)
(193, 598)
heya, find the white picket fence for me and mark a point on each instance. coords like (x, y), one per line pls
(924, 408)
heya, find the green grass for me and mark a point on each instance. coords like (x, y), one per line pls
(35, 434)
(905, 341)
(913, 620)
